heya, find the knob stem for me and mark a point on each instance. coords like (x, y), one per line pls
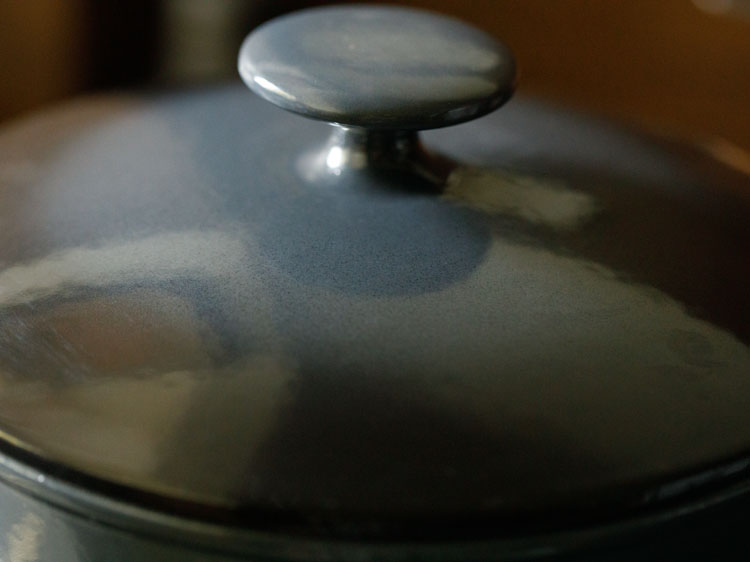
(357, 150)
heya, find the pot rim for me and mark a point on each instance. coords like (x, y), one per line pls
(54, 489)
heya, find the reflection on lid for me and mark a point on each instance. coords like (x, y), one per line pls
(540, 202)
(161, 256)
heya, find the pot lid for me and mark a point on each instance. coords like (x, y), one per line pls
(215, 307)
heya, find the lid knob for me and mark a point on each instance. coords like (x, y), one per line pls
(377, 67)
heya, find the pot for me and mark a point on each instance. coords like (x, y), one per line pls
(230, 333)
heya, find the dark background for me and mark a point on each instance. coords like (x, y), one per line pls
(678, 66)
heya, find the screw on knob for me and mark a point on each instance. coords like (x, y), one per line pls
(381, 67)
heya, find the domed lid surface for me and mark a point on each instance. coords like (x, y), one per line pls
(202, 308)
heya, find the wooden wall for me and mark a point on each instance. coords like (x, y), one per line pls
(42, 52)
(661, 63)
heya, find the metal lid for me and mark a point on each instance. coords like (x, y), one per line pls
(206, 307)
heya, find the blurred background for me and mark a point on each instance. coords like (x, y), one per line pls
(675, 66)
